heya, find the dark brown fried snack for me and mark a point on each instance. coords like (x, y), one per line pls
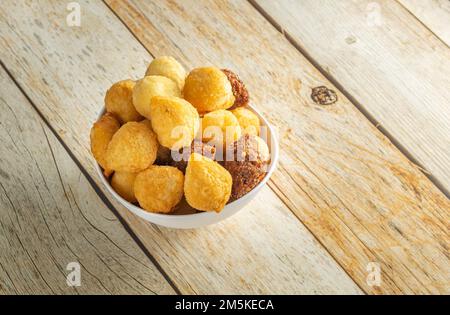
(240, 92)
(247, 160)
(180, 159)
(163, 156)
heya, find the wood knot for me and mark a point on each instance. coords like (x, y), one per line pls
(323, 96)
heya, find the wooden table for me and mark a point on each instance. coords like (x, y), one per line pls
(361, 184)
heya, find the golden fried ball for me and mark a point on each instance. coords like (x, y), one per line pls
(150, 86)
(147, 123)
(159, 188)
(163, 154)
(118, 100)
(101, 134)
(208, 89)
(207, 184)
(123, 183)
(132, 148)
(167, 67)
(248, 121)
(220, 128)
(174, 120)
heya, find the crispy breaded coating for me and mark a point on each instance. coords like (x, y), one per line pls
(208, 89)
(150, 86)
(123, 184)
(174, 120)
(101, 134)
(132, 148)
(159, 188)
(168, 67)
(207, 185)
(163, 154)
(119, 101)
(220, 128)
(248, 121)
(240, 92)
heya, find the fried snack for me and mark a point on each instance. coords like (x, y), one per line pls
(208, 89)
(163, 154)
(174, 120)
(180, 158)
(101, 133)
(167, 67)
(248, 121)
(207, 184)
(132, 148)
(150, 86)
(147, 123)
(240, 92)
(123, 183)
(118, 101)
(159, 188)
(220, 128)
(183, 208)
(247, 161)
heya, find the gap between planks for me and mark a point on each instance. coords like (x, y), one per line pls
(356, 111)
(271, 183)
(421, 22)
(279, 192)
(436, 182)
(141, 26)
(256, 284)
(98, 191)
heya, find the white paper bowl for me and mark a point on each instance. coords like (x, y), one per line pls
(188, 221)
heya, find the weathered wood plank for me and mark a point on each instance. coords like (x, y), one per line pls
(435, 14)
(353, 189)
(50, 216)
(66, 71)
(395, 68)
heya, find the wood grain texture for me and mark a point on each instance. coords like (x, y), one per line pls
(50, 216)
(66, 71)
(351, 187)
(435, 14)
(395, 68)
